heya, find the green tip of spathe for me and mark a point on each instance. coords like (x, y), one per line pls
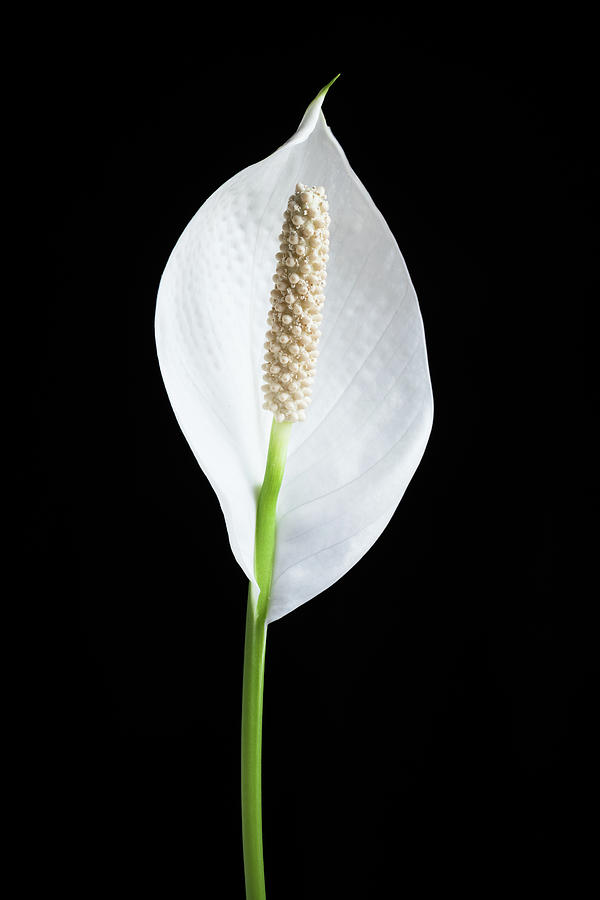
(327, 86)
(321, 95)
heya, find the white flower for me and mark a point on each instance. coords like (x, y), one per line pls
(352, 458)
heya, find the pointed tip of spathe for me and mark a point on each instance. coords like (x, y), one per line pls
(311, 115)
(324, 90)
(318, 101)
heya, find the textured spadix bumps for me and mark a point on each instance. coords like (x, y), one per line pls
(296, 305)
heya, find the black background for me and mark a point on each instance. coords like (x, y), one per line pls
(429, 719)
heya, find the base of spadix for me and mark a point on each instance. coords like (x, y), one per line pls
(264, 544)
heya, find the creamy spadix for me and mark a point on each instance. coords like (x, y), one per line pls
(297, 301)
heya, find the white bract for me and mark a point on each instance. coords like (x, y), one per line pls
(352, 458)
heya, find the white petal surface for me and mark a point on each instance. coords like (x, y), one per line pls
(349, 463)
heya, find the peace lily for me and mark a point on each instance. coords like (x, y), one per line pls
(349, 458)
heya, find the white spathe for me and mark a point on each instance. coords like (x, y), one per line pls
(350, 462)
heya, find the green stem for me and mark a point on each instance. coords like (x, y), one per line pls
(254, 661)
(252, 703)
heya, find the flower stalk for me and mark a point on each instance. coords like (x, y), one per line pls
(254, 660)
